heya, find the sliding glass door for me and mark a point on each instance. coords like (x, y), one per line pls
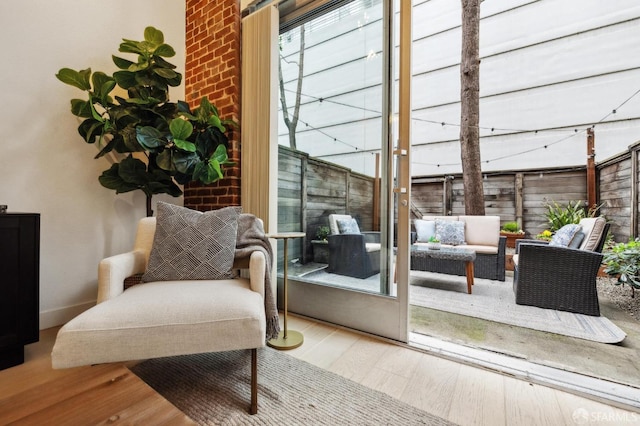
(341, 174)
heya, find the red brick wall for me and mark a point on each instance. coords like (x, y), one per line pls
(213, 70)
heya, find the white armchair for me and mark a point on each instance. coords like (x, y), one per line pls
(166, 318)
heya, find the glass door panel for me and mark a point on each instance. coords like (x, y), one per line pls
(336, 166)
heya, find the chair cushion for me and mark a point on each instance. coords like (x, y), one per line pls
(577, 240)
(348, 226)
(482, 230)
(593, 227)
(450, 232)
(425, 229)
(164, 318)
(191, 245)
(333, 222)
(564, 235)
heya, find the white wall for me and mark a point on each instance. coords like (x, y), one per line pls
(45, 166)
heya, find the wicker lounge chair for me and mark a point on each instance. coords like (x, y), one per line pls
(560, 278)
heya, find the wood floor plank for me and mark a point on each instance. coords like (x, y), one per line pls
(432, 385)
(576, 409)
(385, 381)
(401, 361)
(531, 404)
(360, 358)
(330, 349)
(478, 398)
(108, 400)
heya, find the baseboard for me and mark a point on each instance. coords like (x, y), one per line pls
(56, 317)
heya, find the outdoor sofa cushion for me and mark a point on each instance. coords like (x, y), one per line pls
(425, 229)
(564, 235)
(450, 232)
(592, 227)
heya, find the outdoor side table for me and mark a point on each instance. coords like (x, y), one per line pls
(448, 253)
(287, 339)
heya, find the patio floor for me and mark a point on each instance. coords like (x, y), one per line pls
(615, 362)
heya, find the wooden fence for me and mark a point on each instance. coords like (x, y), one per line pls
(311, 189)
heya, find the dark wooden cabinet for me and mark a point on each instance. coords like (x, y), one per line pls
(19, 285)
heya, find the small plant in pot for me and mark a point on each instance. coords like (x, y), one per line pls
(433, 243)
(512, 231)
(322, 233)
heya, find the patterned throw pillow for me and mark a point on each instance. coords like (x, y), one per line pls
(190, 245)
(564, 235)
(450, 232)
(425, 229)
(348, 226)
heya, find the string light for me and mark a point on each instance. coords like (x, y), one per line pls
(443, 124)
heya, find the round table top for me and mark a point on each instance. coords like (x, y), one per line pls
(284, 235)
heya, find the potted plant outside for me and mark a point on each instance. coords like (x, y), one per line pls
(321, 245)
(173, 144)
(433, 243)
(512, 231)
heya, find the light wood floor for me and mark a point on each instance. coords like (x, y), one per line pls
(33, 393)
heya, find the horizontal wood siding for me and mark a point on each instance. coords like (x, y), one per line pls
(615, 195)
(309, 190)
(542, 188)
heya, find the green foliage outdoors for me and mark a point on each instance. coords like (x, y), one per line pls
(323, 233)
(558, 215)
(623, 262)
(180, 145)
(511, 227)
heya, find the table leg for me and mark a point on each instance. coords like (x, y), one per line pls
(287, 339)
(469, 276)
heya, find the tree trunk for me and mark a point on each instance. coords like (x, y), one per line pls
(292, 121)
(470, 109)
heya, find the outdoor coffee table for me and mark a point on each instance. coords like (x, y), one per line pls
(448, 253)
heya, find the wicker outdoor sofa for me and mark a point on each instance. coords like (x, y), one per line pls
(481, 234)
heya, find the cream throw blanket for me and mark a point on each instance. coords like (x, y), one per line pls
(251, 237)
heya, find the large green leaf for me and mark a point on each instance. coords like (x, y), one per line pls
(163, 63)
(89, 129)
(153, 35)
(165, 73)
(133, 171)
(207, 172)
(180, 129)
(79, 79)
(131, 46)
(185, 161)
(125, 79)
(80, 108)
(164, 50)
(111, 179)
(150, 138)
(185, 145)
(121, 63)
(164, 160)
(99, 79)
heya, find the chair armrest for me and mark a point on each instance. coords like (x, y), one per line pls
(113, 270)
(530, 241)
(257, 268)
(371, 236)
(555, 259)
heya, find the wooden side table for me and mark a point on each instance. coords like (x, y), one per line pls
(287, 339)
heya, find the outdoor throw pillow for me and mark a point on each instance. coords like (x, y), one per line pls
(450, 232)
(190, 245)
(348, 226)
(425, 229)
(564, 235)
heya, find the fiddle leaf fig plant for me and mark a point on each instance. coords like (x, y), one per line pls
(178, 145)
